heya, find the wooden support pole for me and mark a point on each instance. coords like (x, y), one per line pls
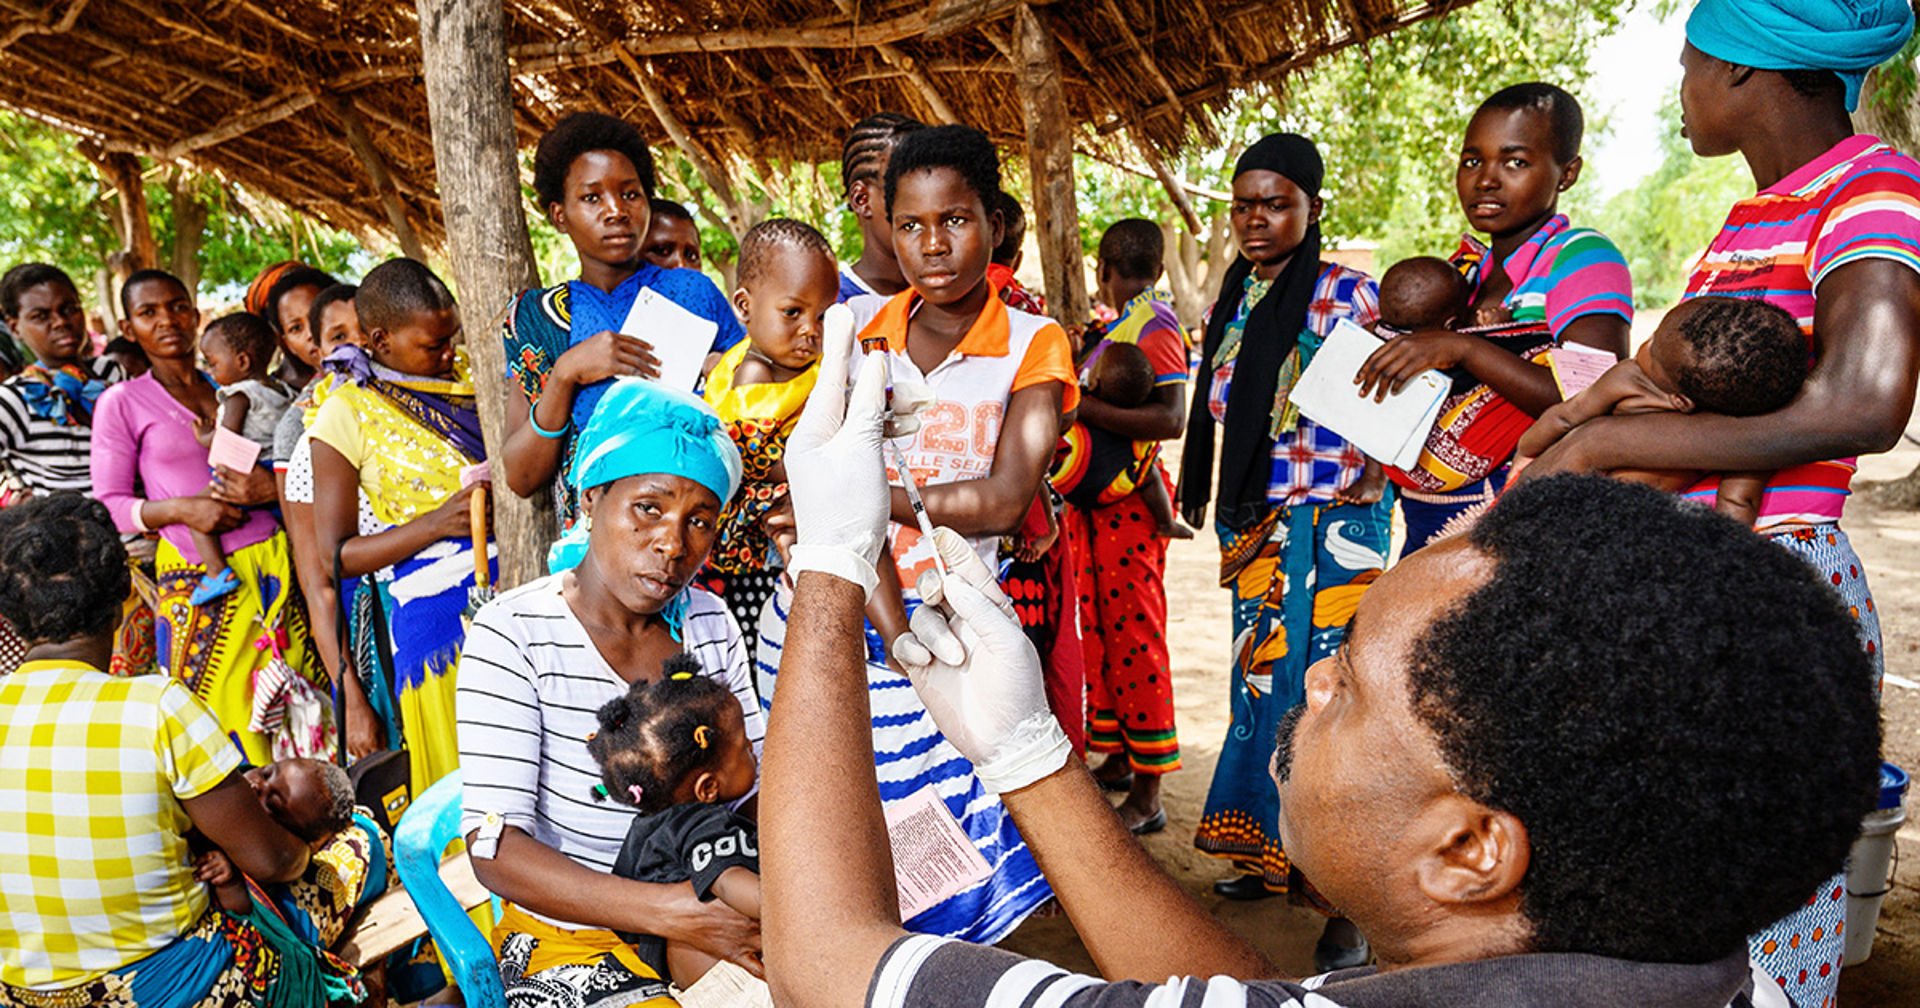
(1043, 104)
(375, 166)
(463, 56)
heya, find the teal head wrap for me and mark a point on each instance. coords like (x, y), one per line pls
(1848, 37)
(641, 427)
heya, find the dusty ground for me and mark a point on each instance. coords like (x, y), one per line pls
(1888, 541)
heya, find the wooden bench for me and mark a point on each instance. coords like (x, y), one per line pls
(391, 921)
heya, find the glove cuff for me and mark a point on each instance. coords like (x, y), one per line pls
(842, 563)
(1044, 749)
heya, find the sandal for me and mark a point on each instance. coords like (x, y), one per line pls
(214, 586)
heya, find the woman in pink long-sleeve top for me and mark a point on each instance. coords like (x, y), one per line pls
(152, 474)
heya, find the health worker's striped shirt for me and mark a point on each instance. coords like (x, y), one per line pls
(1860, 200)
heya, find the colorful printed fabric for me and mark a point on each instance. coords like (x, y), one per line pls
(1477, 429)
(1858, 201)
(1310, 463)
(1094, 467)
(1012, 292)
(758, 418)
(1149, 322)
(1560, 275)
(1296, 580)
(1427, 514)
(543, 966)
(400, 433)
(1802, 950)
(217, 648)
(222, 961)
(910, 754)
(541, 327)
(99, 813)
(1123, 606)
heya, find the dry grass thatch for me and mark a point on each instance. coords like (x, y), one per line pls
(309, 102)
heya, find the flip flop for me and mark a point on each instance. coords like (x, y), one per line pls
(1151, 824)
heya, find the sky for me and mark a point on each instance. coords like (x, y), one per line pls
(1635, 70)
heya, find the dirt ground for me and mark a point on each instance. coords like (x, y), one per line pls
(1889, 542)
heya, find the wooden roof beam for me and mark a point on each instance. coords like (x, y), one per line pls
(272, 110)
(682, 138)
(45, 27)
(375, 165)
(930, 22)
(1146, 59)
(819, 80)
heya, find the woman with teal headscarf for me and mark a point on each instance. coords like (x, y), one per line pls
(652, 468)
(1833, 237)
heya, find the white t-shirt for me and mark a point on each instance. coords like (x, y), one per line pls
(530, 684)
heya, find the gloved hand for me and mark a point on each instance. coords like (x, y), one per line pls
(834, 469)
(978, 673)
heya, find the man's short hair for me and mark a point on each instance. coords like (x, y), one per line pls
(1134, 248)
(1679, 711)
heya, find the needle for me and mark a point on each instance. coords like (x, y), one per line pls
(906, 477)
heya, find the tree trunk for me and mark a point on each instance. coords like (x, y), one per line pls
(463, 51)
(1056, 218)
(189, 225)
(137, 248)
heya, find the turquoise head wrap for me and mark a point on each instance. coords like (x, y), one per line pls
(641, 427)
(1848, 37)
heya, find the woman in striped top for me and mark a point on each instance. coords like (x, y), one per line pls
(46, 411)
(652, 468)
(1832, 235)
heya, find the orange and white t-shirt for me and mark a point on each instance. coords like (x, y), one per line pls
(1005, 351)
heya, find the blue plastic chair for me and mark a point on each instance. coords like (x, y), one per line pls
(428, 826)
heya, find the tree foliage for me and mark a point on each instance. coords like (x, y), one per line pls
(55, 207)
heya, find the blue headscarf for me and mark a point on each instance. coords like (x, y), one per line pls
(1848, 37)
(642, 427)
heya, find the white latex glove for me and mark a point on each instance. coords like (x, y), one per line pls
(978, 673)
(834, 468)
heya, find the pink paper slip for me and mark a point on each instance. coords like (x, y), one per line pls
(932, 856)
(479, 472)
(1575, 367)
(232, 450)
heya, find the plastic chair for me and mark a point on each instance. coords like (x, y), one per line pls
(428, 826)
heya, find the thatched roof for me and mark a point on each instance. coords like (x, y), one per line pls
(291, 99)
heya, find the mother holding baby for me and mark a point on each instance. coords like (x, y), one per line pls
(1832, 235)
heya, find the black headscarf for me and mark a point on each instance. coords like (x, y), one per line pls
(1273, 329)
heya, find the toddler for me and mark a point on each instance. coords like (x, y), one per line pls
(788, 280)
(1733, 356)
(309, 798)
(1095, 467)
(238, 348)
(677, 750)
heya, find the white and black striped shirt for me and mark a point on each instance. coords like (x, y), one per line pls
(530, 683)
(48, 457)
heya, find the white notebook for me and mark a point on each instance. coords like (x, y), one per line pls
(680, 339)
(1392, 431)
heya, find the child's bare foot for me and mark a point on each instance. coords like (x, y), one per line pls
(1174, 530)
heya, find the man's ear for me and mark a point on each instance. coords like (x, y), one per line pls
(1479, 858)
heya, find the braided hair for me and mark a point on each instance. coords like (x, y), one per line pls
(658, 734)
(63, 570)
(868, 144)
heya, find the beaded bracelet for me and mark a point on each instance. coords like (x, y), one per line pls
(533, 421)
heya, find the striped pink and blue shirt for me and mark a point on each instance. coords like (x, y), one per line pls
(1860, 200)
(1560, 274)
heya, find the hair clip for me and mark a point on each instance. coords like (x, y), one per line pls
(599, 792)
(680, 676)
(592, 735)
(700, 735)
(636, 791)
